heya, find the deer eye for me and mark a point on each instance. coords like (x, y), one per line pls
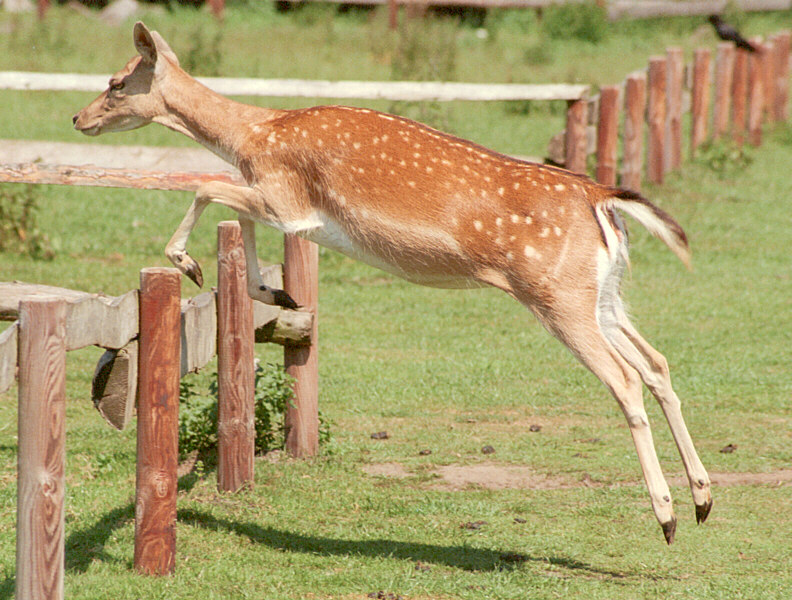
(116, 86)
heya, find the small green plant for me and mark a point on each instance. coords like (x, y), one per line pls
(204, 57)
(19, 232)
(724, 157)
(586, 22)
(273, 392)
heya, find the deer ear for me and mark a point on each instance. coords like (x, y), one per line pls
(144, 43)
(163, 48)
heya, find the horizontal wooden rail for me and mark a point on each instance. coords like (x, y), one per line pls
(300, 88)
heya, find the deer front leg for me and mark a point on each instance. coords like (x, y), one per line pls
(176, 250)
(255, 284)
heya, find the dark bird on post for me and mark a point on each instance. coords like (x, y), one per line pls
(729, 34)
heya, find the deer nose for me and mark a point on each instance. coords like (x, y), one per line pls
(74, 119)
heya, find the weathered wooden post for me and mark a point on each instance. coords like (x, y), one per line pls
(656, 117)
(393, 14)
(675, 74)
(700, 98)
(41, 458)
(739, 96)
(607, 134)
(755, 97)
(301, 282)
(575, 141)
(634, 107)
(236, 428)
(724, 70)
(158, 420)
(768, 77)
(782, 47)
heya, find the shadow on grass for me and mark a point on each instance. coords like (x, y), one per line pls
(460, 557)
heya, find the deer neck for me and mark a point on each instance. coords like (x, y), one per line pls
(212, 120)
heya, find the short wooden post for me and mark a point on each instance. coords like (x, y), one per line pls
(739, 96)
(782, 46)
(575, 142)
(607, 134)
(656, 117)
(724, 70)
(675, 75)
(768, 77)
(755, 98)
(301, 282)
(700, 98)
(41, 458)
(634, 108)
(157, 421)
(393, 14)
(236, 428)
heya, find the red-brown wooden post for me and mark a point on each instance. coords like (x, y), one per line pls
(768, 78)
(301, 282)
(755, 97)
(41, 457)
(236, 428)
(656, 117)
(393, 14)
(607, 134)
(700, 98)
(739, 96)
(575, 142)
(634, 108)
(675, 75)
(218, 8)
(157, 420)
(724, 70)
(42, 7)
(782, 45)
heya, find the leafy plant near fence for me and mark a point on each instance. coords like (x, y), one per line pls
(273, 392)
(19, 231)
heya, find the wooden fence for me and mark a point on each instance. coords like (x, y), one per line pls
(170, 337)
(732, 97)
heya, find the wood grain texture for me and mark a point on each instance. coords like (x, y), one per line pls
(675, 71)
(235, 367)
(575, 141)
(8, 356)
(724, 71)
(158, 421)
(700, 98)
(607, 134)
(42, 432)
(633, 143)
(655, 153)
(301, 282)
(739, 96)
(782, 49)
(755, 97)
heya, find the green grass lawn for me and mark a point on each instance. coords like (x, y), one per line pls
(439, 370)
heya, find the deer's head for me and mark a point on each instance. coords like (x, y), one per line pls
(133, 97)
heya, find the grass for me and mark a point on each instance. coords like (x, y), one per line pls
(444, 371)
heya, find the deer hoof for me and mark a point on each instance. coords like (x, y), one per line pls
(281, 298)
(669, 529)
(702, 511)
(190, 267)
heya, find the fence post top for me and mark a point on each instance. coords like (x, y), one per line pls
(159, 271)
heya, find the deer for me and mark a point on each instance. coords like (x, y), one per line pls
(431, 208)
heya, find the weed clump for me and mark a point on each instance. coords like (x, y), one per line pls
(19, 231)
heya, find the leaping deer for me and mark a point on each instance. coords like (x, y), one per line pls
(431, 208)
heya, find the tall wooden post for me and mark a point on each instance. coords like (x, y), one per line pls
(634, 107)
(41, 458)
(739, 96)
(768, 77)
(301, 282)
(782, 57)
(700, 98)
(724, 70)
(755, 98)
(236, 428)
(576, 142)
(158, 420)
(656, 117)
(607, 134)
(675, 74)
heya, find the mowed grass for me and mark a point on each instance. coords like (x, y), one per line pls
(445, 371)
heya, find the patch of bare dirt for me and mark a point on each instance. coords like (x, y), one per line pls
(493, 476)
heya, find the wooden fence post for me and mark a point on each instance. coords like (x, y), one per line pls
(656, 117)
(675, 75)
(301, 282)
(724, 70)
(768, 78)
(634, 107)
(755, 97)
(607, 134)
(575, 142)
(236, 428)
(782, 45)
(739, 96)
(158, 420)
(393, 14)
(700, 98)
(41, 458)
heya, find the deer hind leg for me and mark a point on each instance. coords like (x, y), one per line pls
(242, 200)
(653, 368)
(580, 331)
